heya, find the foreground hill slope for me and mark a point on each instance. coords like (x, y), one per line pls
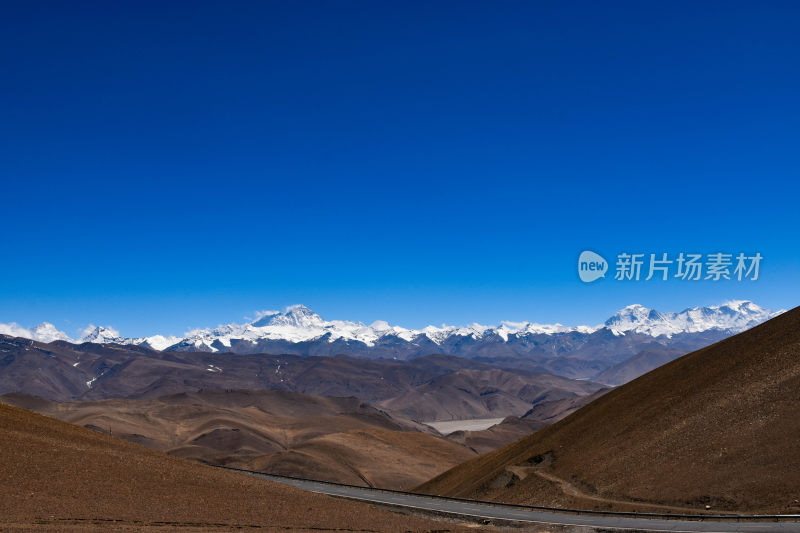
(716, 427)
(59, 476)
(334, 439)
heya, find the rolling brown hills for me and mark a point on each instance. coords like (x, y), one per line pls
(434, 387)
(62, 371)
(335, 439)
(57, 476)
(717, 427)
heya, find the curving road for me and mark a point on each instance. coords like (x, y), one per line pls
(498, 512)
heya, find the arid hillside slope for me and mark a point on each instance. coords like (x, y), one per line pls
(716, 427)
(335, 439)
(58, 476)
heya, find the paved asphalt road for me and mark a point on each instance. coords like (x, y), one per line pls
(469, 509)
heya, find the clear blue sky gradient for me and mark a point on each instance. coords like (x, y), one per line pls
(176, 165)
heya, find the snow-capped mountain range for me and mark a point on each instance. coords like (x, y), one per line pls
(731, 317)
(299, 329)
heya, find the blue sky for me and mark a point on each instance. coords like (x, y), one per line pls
(183, 165)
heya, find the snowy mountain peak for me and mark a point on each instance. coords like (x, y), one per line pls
(299, 324)
(631, 316)
(744, 307)
(156, 342)
(297, 316)
(264, 317)
(732, 317)
(100, 334)
(634, 308)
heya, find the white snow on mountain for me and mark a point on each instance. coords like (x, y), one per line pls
(298, 323)
(295, 316)
(158, 342)
(733, 316)
(508, 328)
(100, 335)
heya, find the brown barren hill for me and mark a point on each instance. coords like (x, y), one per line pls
(56, 476)
(372, 457)
(717, 427)
(279, 432)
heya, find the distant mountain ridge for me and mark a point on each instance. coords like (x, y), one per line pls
(298, 325)
(632, 341)
(456, 388)
(734, 317)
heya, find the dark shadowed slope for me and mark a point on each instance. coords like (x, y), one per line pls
(717, 427)
(59, 476)
(485, 393)
(637, 365)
